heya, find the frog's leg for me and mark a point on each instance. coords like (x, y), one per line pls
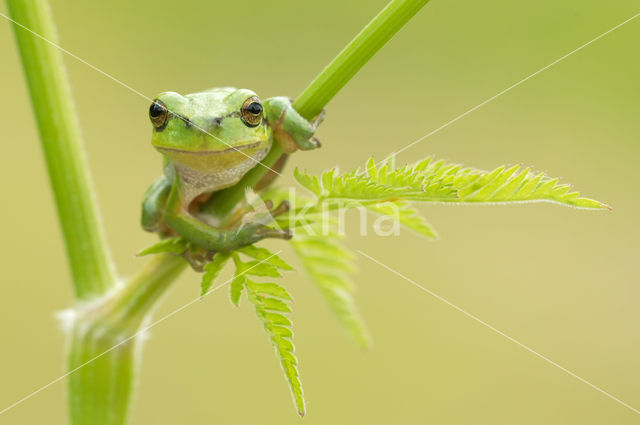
(290, 129)
(153, 205)
(212, 238)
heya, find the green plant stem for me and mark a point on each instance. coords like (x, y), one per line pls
(87, 251)
(355, 55)
(105, 339)
(324, 87)
(130, 306)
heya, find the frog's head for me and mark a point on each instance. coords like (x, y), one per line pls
(221, 126)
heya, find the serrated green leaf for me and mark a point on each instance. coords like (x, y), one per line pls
(327, 179)
(515, 184)
(260, 253)
(377, 184)
(406, 216)
(212, 270)
(260, 268)
(271, 311)
(311, 183)
(277, 318)
(371, 168)
(275, 304)
(272, 290)
(171, 245)
(333, 265)
(329, 264)
(389, 190)
(316, 246)
(439, 181)
(235, 288)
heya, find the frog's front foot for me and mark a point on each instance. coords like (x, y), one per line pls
(291, 129)
(283, 207)
(269, 232)
(254, 225)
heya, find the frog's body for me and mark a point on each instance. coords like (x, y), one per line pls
(209, 140)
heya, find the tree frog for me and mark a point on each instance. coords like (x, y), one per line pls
(209, 140)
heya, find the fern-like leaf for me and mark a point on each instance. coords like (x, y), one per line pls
(380, 185)
(516, 184)
(329, 265)
(270, 303)
(211, 271)
(237, 285)
(502, 185)
(407, 216)
(267, 266)
(263, 254)
(311, 183)
(439, 181)
(171, 245)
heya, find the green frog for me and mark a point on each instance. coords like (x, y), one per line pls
(209, 141)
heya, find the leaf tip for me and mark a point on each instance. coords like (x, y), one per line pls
(592, 204)
(366, 346)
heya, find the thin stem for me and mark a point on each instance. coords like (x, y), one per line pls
(50, 93)
(131, 305)
(355, 55)
(325, 86)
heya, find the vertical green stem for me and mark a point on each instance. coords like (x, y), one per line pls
(105, 341)
(325, 86)
(103, 337)
(65, 158)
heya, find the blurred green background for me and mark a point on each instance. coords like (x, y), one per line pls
(562, 281)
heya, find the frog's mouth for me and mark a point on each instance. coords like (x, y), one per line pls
(246, 146)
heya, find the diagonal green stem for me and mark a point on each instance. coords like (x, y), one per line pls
(355, 55)
(87, 251)
(325, 86)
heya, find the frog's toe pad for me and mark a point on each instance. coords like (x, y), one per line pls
(268, 232)
(282, 208)
(316, 142)
(309, 144)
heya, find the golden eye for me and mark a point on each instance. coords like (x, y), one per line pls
(252, 112)
(158, 114)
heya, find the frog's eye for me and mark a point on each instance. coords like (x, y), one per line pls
(158, 114)
(252, 112)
